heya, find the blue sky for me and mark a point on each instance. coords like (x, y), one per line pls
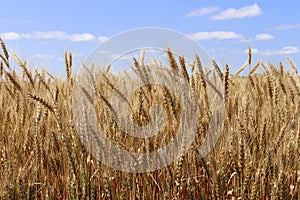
(40, 31)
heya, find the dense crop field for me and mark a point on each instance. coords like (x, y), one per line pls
(256, 157)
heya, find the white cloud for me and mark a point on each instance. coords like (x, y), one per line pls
(232, 13)
(82, 37)
(221, 35)
(264, 36)
(13, 36)
(60, 35)
(202, 11)
(57, 35)
(102, 38)
(284, 51)
(287, 26)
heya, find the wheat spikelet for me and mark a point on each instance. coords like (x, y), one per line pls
(218, 185)
(183, 68)
(87, 95)
(56, 94)
(38, 113)
(283, 188)
(179, 176)
(280, 137)
(70, 62)
(226, 84)
(248, 173)
(192, 83)
(241, 155)
(274, 70)
(262, 141)
(85, 182)
(1, 69)
(37, 147)
(4, 49)
(5, 61)
(67, 66)
(22, 190)
(255, 186)
(14, 81)
(281, 68)
(123, 195)
(17, 60)
(241, 69)
(42, 80)
(111, 85)
(172, 61)
(290, 155)
(142, 116)
(269, 82)
(217, 68)
(292, 64)
(282, 86)
(10, 90)
(294, 84)
(199, 65)
(44, 71)
(143, 56)
(251, 81)
(24, 68)
(42, 101)
(141, 71)
(269, 171)
(276, 94)
(107, 191)
(254, 68)
(249, 56)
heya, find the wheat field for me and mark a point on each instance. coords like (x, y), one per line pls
(256, 156)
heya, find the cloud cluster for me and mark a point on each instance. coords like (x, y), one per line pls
(57, 35)
(230, 13)
(264, 36)
(284, 51)
(203, 11)
(287, 27)
(220, 35)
